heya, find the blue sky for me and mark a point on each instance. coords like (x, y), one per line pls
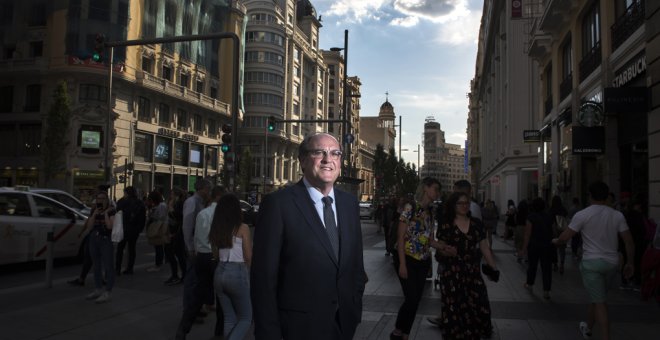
(420, 51)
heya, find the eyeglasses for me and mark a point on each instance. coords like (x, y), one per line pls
(462, 203)
(320, 154)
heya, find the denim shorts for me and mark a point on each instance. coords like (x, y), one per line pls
(597, 276)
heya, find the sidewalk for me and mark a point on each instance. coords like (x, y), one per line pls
(143, 308)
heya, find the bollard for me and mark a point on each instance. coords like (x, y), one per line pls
(50, 242)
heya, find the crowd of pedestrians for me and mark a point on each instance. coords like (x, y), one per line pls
(209, 249)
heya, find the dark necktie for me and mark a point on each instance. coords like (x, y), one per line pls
(330, 224)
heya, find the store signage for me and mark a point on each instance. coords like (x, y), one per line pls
(89, 174)
(633, 69)
(495, 180)
(588, 140)
(531, 136)
(516, 8)
(626, 99)
(168, 133)
(189, 137)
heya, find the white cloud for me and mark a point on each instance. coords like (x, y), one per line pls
(463, 30)
(357, 10)
(405, 22)
(438, 11)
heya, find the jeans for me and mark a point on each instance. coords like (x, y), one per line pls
(196, 285)
(232, 284)
(543, 254)
(413, 287)
(101, 251)
(175, 253)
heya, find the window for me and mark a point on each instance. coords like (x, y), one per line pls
(182, 120)
(184, 80)
(296, 89)
(268, 37)
(50, 209)
(200, 86)
(214, 92)
(591, 29)
(296, 54)
(164, 115)
(33, 98)
(6, 98)
(37, 12)
(163, 150)
(143, 147)
(147, 64)
(198, 126)
(213, 128)
(99, 10)
(548, 81)
(167, 72)
(93, 93)
(30, 139)
(180, 153)
(7, 13)
(14, 204)
(196, 155)
(144, 110)
(566, 58)
(36, 49)
(212, 157)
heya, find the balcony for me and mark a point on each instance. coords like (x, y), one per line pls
(169, 88)
(627, 24)
(590, 62)
(566, 87)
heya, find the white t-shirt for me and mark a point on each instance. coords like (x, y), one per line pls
(475, 210)
(600, 226)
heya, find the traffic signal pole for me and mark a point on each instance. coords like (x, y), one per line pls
(141, 42)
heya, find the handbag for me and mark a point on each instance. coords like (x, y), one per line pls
(157, 233)
(492, 274)
(118, 228)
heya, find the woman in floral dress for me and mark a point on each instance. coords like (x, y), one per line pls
(465, 305)
(413, 259)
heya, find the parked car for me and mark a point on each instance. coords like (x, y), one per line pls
(60, 196)
(26, 218)
(367, 210)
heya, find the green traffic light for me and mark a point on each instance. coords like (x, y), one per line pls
(271, 127)
(96, 57)
(224, 148)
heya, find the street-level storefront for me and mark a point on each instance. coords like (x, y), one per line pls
(169, 158)
(86, 183)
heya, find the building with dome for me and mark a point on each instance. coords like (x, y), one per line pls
(379, 129)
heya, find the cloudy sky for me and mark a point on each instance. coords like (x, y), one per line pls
(422, 52)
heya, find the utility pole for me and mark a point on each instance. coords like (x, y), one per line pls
(400, 136)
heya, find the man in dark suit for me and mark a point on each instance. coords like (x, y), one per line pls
(307, 274)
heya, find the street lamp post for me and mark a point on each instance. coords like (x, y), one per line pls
(400, 136)
(344, 108)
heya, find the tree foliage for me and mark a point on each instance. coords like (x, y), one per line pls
(393, 175)
(56, 132)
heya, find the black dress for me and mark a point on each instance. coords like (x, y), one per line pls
(465, 305)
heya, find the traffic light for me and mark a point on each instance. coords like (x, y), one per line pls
(226, 138)
(99, 47)
(271, 124)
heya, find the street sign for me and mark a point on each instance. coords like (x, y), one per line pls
(349, 138)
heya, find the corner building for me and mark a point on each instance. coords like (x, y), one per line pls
(592, 57)
(168, 101)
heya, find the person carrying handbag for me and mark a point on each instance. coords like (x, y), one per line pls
(157, 228)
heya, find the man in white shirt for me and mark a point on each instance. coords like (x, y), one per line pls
(600, 226)
(202, 265)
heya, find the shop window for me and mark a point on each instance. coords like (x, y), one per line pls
(163, 150)
(180, 153)
(196, 154)
(143, 147)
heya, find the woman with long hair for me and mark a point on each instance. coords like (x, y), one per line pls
(175, 251)
(101, 248)
(232, 247)
(463, 243)
(413, 258)
(157, 212)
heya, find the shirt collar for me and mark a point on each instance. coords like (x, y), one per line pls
(315, 194)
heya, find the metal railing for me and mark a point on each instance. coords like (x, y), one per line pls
(590, 62)
(566, 87)
(627, 24)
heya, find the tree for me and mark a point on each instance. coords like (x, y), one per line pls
(56, 134)
(389, 169)
(380, 157)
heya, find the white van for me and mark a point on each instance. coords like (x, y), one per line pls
(25, 220)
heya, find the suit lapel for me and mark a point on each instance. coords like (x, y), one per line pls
(307, 209)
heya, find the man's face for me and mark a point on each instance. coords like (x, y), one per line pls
(321, 164)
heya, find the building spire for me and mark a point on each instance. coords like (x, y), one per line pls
(387, 95)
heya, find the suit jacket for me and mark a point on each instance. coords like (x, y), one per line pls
(299, 289)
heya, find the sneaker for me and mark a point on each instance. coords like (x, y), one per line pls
(76, 282)
(172, 281)
(94, 295)
(153, 269)
(584, 329)
(104, 297)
